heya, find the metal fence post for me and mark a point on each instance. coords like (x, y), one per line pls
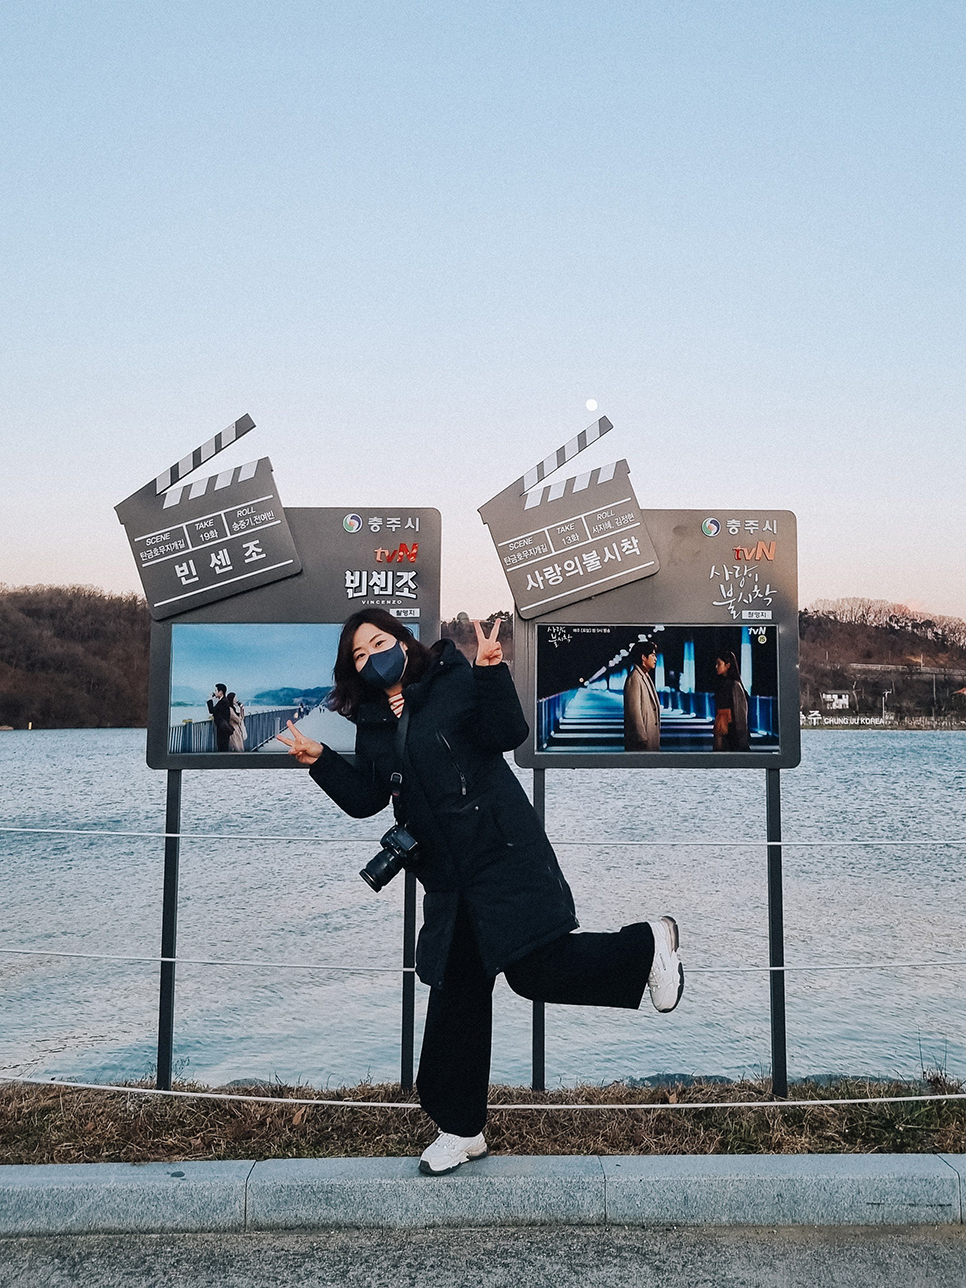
(776, 932)
(538, 1021)
(169, 927)
(407, 1044)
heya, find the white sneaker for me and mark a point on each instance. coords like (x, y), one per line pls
(666, 980)
(447, 1152)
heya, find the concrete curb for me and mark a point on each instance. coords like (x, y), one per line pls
(313, 1193)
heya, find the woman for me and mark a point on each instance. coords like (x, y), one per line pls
(730, 706)
(495, 898)
(239, 733)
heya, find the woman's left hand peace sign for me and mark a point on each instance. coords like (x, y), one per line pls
(489, 650)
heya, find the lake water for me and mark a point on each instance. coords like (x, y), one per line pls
(297, 899)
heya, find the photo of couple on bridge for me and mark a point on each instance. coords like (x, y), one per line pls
(284, 671)
(610, 688)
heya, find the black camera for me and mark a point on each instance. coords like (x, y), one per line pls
(398, 851)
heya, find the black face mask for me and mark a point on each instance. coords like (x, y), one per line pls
(383, 670)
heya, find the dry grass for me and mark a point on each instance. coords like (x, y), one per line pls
(61, 1125)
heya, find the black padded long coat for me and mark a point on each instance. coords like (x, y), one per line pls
(479, 838)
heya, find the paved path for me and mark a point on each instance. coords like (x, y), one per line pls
(537, 1257)
(309, 1194)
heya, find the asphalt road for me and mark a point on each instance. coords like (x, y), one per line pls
(539, 1257)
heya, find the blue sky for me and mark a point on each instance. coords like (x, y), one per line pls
(413, 239)
(252, 657)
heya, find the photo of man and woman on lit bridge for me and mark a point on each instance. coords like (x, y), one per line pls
(609, 689)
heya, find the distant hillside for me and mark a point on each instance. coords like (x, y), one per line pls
(72, 657)
(75, 657)
(290, 697)
(871, 649)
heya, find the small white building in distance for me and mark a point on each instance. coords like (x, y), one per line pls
(836, 701)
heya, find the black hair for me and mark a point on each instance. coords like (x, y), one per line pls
(350, 689)
(734, 670)
(641, 650)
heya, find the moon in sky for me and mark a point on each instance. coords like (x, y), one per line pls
(591, 404)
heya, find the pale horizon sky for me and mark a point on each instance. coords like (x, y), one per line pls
(412, 239)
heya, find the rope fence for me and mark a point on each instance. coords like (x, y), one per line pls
(407, 972)
(395, 970)
(411, 1104)
(374, 840)
(204, 961)
(335, 840)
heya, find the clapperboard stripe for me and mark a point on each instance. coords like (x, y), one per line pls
(191, 491)
(564, 454)
(566, 487)
(201, 454)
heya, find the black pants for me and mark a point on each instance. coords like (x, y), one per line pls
(577, 969)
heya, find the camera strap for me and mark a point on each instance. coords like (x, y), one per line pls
(396, 778)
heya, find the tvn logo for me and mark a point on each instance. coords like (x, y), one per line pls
(755, 554)
(401, 554)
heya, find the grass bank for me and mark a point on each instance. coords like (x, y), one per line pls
(65, 1125)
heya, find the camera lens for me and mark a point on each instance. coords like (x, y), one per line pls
(381, 869)
(398, 847)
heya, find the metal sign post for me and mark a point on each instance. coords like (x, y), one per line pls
(248, 602)
(538, 1018)
(407, 1045)
(386, 558)
(724, 587)
(776, 933)
(169, 928)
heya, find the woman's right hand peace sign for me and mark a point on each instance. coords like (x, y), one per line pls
(305, 750)
(489, 650)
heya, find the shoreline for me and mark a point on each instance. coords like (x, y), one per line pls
(864, 723)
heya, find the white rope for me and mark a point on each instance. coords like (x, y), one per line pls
(359, 840)
(692, 970)
(201, 961)
(744, 970)
(409, 1104)
(184, 836)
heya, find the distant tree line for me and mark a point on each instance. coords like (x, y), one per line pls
(75, 657)
(925, 657)
(72, 657)
(944, 632)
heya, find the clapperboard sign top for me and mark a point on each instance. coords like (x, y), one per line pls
(218, 536)
(566, 541)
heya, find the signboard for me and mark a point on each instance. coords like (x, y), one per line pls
(645, 675)
(195, 543)
(273, 648)
(560, 543)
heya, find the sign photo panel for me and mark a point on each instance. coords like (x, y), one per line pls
(695, 667)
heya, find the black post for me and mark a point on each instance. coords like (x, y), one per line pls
(538, 1028)
(408, 1040)
(169, 927)
(776, 932)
